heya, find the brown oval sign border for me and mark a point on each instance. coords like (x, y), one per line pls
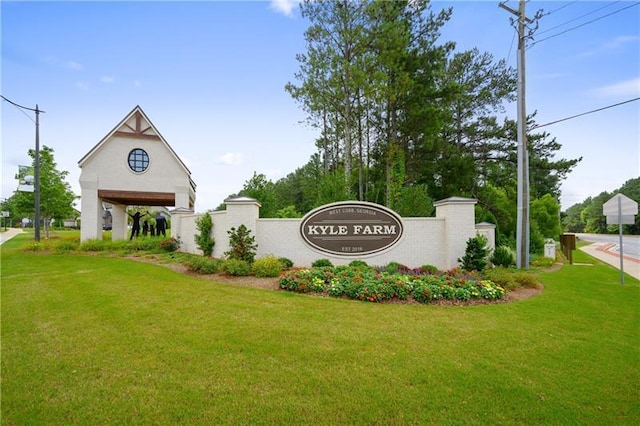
(351, 228)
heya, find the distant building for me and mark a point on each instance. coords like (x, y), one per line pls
(132, 165)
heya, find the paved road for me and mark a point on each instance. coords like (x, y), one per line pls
(630, 243)
(607, 249)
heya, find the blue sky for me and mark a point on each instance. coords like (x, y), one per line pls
(211, 74)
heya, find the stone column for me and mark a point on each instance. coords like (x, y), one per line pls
(177, 229)
(459, 216)
(119, 222)
(488, 230)
(182, 197)
(91, 210)
(243, 211)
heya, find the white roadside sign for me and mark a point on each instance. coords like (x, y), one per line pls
(620, 204)
(620, 210)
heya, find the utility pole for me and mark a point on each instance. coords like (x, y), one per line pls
(36, 176)
(522, 231)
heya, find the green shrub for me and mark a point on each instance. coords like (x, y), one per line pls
(286, 263)
(203, 239)
(503, 277)
(204, 265)
(321, 263)
(141, 244)
(242, 244)
(502, 256)
(511, 279)
(268, 266)
(65, 246)
(430, 269)
(237, 267)
(358, 264)
(476, 253)
(526, 279)
(542, 262)
(393, 267)
(95, 245)
(536, 240)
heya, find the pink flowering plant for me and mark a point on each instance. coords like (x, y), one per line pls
(170, 244)
(306, 280)
(397, 283)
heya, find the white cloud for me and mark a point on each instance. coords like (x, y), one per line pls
(284, 6)
(626, 88)
(619, 41)
(614, 44)
(551, 76)
(107, 79)
(231, 158)
(83, 85)
(70, 64)
(73, 65)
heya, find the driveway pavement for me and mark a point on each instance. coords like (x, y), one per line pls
(8, 234)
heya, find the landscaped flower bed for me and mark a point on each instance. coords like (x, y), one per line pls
(374, 285)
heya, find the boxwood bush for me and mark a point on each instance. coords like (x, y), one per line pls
(321, 262)
(286, 263)
(268, 266)
(204, 265)
(237, 267)
(502, 256)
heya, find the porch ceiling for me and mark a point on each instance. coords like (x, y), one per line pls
(137, 198)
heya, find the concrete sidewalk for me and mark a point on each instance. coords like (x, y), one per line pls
(9, 234)
(601, 252)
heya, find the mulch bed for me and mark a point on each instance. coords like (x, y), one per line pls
(272, 284)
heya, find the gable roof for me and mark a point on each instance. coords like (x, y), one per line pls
(136, 124)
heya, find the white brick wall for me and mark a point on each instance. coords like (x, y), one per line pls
(438, 241)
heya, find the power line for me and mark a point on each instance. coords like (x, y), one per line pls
(18, 105)
(577, 18)
(20, 108)
(583, 24)
(515, 33)
(585, 113)
(560, 8)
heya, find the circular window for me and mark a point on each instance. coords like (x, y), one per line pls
(138, 160)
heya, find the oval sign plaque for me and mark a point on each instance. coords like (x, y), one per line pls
(353, 228)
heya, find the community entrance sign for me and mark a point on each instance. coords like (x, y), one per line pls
(351, 228)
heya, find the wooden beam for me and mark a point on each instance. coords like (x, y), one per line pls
(137, 197)
(138, 120)
(136, 135)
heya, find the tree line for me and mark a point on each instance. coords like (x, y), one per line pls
(587, 216)
(405, 119)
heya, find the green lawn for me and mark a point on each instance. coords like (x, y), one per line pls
(103, 340)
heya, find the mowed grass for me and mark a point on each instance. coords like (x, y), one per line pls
(103, 340)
